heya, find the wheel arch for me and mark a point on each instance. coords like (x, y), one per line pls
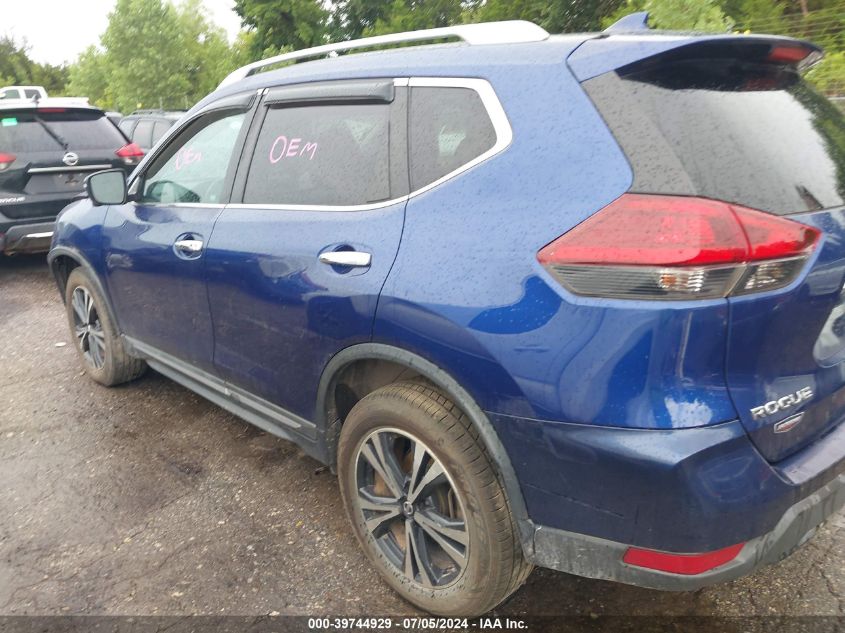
(394, 363)
(63, 260)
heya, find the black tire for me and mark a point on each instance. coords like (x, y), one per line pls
(97, 340)
(404, 416)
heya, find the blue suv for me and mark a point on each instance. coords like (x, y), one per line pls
(570, 301)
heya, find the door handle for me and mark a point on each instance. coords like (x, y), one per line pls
(353, 259)
(188, 246)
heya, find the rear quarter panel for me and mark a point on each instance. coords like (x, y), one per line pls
(467, 293)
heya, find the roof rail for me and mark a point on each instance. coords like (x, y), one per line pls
(507, 32)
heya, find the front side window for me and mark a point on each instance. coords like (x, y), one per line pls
(449, 127)
(331, 155)
(193, 168)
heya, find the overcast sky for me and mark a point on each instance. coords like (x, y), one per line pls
(58, 30)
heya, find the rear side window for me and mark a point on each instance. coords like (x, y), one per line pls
(159, 128)
(143, 134)
(753, 134)
(333, 155)
(126, 126)
(31, 94)
(449, 127)
(49, 130)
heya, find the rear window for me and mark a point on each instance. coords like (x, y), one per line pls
(753, 134)
(25, 131)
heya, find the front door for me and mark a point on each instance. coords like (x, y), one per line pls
(154, 246)
(295, 269)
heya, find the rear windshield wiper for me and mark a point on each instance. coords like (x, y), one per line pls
(53, 134)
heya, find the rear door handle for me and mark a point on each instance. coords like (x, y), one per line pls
(354, 259)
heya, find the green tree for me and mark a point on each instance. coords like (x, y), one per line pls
(677, 15)
(350, 19)
(556, 16)
(280, 24)
(16, 68)
(412, 15)
(154, 54)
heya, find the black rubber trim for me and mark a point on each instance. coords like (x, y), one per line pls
(592, 557)
(451, 388)
(361, 91)
(80, 259)
(257, 411)
(240, 101)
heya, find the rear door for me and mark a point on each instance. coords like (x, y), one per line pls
(295, 268)
(753, 133)
(154, 246)
(53, 150)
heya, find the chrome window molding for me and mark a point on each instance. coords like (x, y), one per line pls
(498, 117)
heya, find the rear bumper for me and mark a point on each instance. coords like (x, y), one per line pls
(27, 238)
(599, 558)
(593, 492)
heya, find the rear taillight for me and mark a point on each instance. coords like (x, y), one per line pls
(672, 247)
(130, 154)
(686, 564)
(6, 160)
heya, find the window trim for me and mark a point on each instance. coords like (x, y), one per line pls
(491, 103)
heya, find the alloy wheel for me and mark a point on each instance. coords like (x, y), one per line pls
(88, 328)
(411, 508)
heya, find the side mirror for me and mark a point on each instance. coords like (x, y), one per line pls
(107, 187)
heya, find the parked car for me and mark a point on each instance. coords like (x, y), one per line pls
(538, 300)
(47, 148)
(23, 92)
(146, 127)
(114, 117)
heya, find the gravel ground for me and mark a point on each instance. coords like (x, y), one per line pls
(147, 499)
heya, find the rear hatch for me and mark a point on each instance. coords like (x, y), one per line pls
(46, 153)
(738, 124)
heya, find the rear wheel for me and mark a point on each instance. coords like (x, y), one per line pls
(425, 502)
(97, 341)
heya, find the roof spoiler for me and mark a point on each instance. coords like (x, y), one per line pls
(632, 22)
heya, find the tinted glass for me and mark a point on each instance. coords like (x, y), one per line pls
(23, 131)
(193, 168)
(448, 128)
(126, 126)
(143, 133)
(159, 129)
(31, 93)
(323, 155)
(754, 134)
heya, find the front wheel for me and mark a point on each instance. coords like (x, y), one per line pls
(425, 502)
(96, 337)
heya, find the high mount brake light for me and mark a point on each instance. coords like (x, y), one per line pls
(6, 160)
(788, 54)
(672, 247)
